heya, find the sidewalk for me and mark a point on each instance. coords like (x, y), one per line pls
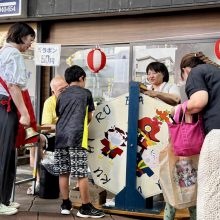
(35, 208)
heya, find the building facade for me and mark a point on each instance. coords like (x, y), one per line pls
(131, 33)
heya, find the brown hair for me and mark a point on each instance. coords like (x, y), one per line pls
(194, 59)
(17, 31)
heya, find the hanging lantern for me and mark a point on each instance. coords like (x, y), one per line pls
(217, 49)
(96, 60)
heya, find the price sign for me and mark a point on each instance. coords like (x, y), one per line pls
(47, 54)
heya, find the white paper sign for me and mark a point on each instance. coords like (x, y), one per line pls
(47, 54)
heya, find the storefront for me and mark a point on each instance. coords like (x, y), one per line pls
(131, 43)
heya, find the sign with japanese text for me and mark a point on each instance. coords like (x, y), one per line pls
(10, 8)
(47, 54)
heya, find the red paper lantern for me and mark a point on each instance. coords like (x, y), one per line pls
(96, 60)
(217, 49)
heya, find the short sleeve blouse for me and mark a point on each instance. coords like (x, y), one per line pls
(206, 77)
(167, 88)
(12, 67)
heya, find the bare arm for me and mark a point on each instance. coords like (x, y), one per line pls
(49, 116)
(17, 98)
(89, 116)
(168, 98)
(52, 127)
(197, 102)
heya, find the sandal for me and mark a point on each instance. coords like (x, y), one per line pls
(30, 191)
(75, 188)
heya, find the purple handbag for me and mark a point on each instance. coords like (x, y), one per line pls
(187, 138)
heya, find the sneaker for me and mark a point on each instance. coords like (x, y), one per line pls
(14, 205)
(66, 208)
(90, 212)
(7, 210)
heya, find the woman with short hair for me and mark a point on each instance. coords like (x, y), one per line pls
(14, 77)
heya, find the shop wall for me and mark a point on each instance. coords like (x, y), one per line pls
(134, 29)
(84, 8)
(163, 37)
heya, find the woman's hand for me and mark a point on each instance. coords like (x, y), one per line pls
(25, 120)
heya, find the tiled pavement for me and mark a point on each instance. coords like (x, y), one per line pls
(35, 208)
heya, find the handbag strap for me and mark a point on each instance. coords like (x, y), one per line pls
(8, 101)
(184, 107)
(176, 116)
(180, 108)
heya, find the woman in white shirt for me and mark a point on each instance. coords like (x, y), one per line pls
(13, 73)
(158, 77)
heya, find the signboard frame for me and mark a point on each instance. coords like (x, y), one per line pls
(15, 8)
